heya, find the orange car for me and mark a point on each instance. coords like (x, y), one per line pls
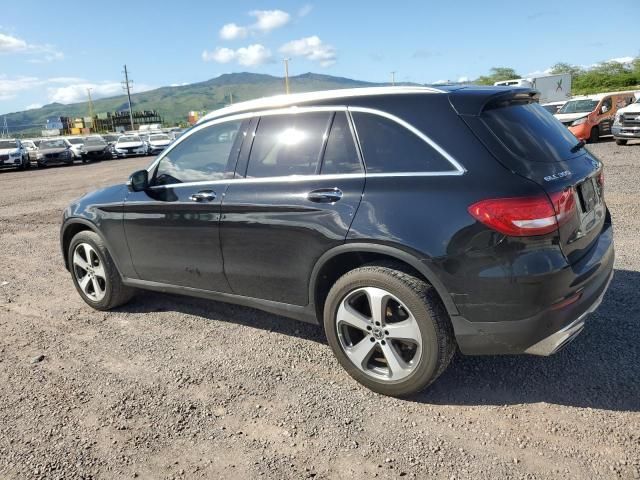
(591, 117)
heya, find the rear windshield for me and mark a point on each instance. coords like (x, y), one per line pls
(531, 133)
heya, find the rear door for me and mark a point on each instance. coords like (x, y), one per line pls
(605, 114)
(531, 142)
(298, 188)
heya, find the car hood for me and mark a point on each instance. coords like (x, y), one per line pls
(570, 117)
(633, 108)
(159, 143)
(95, 148)
(128, 144)
(86, 206)
(7, 151)
(53, 150)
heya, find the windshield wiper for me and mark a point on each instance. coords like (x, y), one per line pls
(578, 146)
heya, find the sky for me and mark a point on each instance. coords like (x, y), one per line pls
(54, 51)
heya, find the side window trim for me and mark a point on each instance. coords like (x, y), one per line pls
(457, 168)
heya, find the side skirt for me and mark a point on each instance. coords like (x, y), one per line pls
(304, 314)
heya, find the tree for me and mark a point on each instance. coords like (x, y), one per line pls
(498, 74)
(562, 67)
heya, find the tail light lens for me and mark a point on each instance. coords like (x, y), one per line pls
(600, 181)
(526, 216)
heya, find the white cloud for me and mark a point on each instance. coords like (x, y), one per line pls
(78, 92)
(267, 20)
(312, 48)
(65, 80)
(9, 44)
(440, 82)
(14, 45)
(33, 106)
(10, 87)
(305, 10)
(231, 31)
(181, 84)
(625, 60)
(463, 79)
(252, 55)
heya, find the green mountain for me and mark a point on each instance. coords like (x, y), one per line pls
(174, 103)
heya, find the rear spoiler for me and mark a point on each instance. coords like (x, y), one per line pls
(472, 101)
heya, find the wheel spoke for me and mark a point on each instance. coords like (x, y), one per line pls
(378, 299)
(360, 352)
(97, 290)
(405, 330)
(99, 271)
(84, 283)
(394, 361)
(79, 261)
(353, 318)
(87, 252)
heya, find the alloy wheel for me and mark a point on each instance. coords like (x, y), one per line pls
(379, 334)
(89, 272)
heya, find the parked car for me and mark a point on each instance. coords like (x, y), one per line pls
(626, 125)
(553, 107)
(54, 151)
(111, 139)
(130, 146)
(95, 148)
(157, 142)
(77, 147)
(13, 154)
(591, 117)
(486, 231)
(32, 150)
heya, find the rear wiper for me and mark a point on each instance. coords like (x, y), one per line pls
(578, 146)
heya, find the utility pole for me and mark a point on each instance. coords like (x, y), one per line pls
(5, 129)
(393, 78)
(286, 75)
(127, 86)
(91, 112)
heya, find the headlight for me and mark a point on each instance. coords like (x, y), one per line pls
(39, 156)
(580, 121)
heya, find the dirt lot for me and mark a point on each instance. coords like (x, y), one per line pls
(170, 387)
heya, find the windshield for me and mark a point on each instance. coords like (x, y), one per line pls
(159, 137)
(8, 144)
(52, 144)
(76, 141)
(94, 141)
(28, 143)
(132, 138)
(579, 106)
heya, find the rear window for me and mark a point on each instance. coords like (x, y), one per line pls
(530, 132)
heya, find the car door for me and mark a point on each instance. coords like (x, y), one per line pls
(605, 116)
(172, 227)
(299, 186)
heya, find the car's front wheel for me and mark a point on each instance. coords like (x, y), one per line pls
(388, 329)
(621, 141)
(95, 276)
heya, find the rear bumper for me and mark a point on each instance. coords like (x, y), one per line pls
(625, 132)
(549, 330)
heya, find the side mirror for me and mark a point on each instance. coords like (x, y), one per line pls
(138, 181)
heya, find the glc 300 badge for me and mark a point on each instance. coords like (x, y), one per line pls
(556, 176)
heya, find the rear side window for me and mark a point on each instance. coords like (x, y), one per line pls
(340, 155)
(389, 147)
(288, 145)
(530, 132)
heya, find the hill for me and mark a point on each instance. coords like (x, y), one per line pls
(174, 103)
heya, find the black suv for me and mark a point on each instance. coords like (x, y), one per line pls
(410, 222)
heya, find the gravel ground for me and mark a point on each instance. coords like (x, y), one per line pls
(172, 387)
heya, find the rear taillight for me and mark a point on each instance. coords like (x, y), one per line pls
(525, 216)
(600, 181)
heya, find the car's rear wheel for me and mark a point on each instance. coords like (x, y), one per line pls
(621, 141)
(594, 135)
(388, 329)
(95, 276)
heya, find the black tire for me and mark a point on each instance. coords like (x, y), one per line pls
(24, 163)
(116, 293)
(594, 135)
(438, 341)
(621, 141)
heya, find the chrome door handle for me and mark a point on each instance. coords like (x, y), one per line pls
(203, 196)
(325, 195)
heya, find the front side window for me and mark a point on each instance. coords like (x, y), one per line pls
(288, 144)
(203, 156)
(389, 147)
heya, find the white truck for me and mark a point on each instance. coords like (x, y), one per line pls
(552, 88)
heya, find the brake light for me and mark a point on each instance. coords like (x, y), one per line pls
(600, 181)
(525, 216)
